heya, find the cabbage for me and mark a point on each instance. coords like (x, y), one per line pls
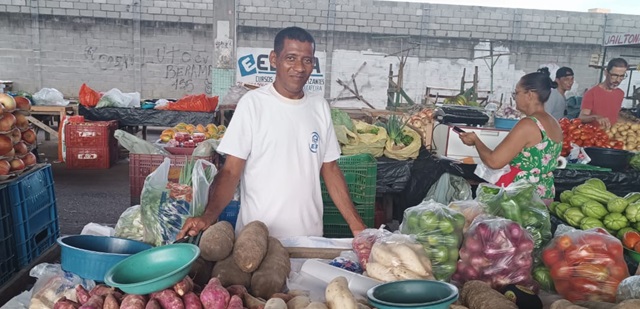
(635, 162)
(339, 117)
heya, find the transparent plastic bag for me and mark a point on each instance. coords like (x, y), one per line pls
(470, 209)
(629, 288)
(137, 145)
(49, 96)
(497, 251)
(449, 188)
(53, 283)
(398, 257)
(116, 98)
(233, 95)
(439, 230)
(519, 202)
(130, 224)
(586, 265)
(364, 241)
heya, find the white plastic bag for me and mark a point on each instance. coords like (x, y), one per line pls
(130, 224)
(449, 188)
(49, 96)
(53, 283)
(137, 145)
(115, 98)
(489, 174)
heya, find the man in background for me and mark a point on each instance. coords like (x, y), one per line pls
(556, 106)
(602, 103)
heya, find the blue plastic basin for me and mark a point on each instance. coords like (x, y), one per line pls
(415, 294)
(504, 123)
(91, 256)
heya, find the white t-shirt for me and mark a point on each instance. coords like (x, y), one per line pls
(284, 143)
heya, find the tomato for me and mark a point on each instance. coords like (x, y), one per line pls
(619, 272)
(576, 121)
(615, 249)
(585, 285)
(561, 270)
(562, 286)
(601, 231)
(575, 255)
(563, 242)
(551, 256)
(630, 239)
(592, 271)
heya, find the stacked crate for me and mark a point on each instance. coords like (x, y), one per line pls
(91, 145)
(360, 172)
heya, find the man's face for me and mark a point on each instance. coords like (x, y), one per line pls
(615, 77)
(293, 66)
(566, 82)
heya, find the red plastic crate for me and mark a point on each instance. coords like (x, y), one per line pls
(90, 134)
(141, 165)
(91, 157)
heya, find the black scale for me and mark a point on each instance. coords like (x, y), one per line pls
(468, 115)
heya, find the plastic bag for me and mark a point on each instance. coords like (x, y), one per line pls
(233, 95)
(398, 257)
(586, 265)
(519, 202)
(439, 230)
(366, 139)
(408, 152)
(130, 224)
(137, 145)
(489, 174)
(449, 188)
(470, 209)
(53, 283)
(497, 251)
(193, 103)
(578, 155)
(364, 241)
(629, 288)
(206, 148)
(115, 98)
(49, 96)
(88, 97)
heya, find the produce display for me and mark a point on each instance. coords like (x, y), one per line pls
(189, 135)
(498, 252)
(422, 122)
(364, 241)
(586, 265)
(403, 142)
(398, 257)
(17, 138)
(508, 112)
(439, 230)
(627, 132)
(585, 135)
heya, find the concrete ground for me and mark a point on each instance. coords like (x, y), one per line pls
(85, 196)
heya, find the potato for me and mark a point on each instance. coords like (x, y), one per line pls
(299, 302)
(316, 305)
(272, 274)
(251, 246)
(295, 293)
(216, 242)
(275, 303)
(228, 272)
(339, 296)
(286, 297)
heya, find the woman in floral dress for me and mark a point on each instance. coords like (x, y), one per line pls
(534, 143)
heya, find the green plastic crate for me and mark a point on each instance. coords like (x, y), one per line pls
(360, 172)
(334, 224)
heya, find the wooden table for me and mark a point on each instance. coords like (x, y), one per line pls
(60, 111)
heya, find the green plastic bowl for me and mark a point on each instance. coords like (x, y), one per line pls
(154, 269)
(416, 294)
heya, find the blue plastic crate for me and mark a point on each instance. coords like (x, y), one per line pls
(230, 213)
(34, 213)
(8, 258)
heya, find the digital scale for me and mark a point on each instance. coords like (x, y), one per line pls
(467, 115)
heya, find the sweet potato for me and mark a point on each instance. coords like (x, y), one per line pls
(299, 302)
(111, 302)
(94, 302)
(168, 299)
(275, 303)
(183, 286)
(214, 296)
(316, 305)
(252, 302)
(295, 293)
(286, 297)
(228, 272)
(191, 301)
(217, 241)
(237, 289)
(272, 274)
(201, 271)
(64, 303)
(235, 302)
(102, 290)
(251, 246)
(82, 294)
(132, 301)
(339, 296)
(153, 304)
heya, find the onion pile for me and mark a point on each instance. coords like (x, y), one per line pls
(422, 122)
(17, 139)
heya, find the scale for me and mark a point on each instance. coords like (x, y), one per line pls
(467, 115)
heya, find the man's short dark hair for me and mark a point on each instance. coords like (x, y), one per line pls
(617, 62)
(292, 33)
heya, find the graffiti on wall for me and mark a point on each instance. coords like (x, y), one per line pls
(185, 70)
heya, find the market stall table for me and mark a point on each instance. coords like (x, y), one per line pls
(61, 111)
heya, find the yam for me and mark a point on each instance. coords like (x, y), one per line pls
(252, 302)
(214, 296)
(479, 295)
(64, 303)
(251, 246)
(235, 302)
(201, 271)
(82, 294)
(132, 301)
(272, 274)
(110, 302)
(339, 296)
(228, 272)
(299, 302)
(317, 305)
(565, 304)
(94, 302)
(153, 304)
(183, 286)
(275, 303)
(628, 304)
(457, 307)
(595, 304)
(216, 242)
(168, 298)
(191, 301)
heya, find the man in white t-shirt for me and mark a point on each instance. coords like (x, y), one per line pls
(278, 144)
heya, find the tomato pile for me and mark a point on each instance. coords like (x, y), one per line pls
(584, 135)
(586, 265)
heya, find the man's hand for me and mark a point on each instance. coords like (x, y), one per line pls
(604, 122)
(193, 226)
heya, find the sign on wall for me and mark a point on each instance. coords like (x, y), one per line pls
(620, 39)
(254, 68)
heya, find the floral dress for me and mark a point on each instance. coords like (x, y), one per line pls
(538, 162)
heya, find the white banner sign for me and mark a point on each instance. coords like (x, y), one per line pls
(620, 39)
(254, 68)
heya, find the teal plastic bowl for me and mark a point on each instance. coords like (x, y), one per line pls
(504, 123)
(154, 269)
(417, 294)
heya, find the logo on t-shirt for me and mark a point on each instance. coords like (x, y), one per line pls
(315, 139)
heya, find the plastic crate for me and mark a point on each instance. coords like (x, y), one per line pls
(334, 225)
(360, 172)
(230, 213)
(33, 212)
(141, 165)
(8, 258)
(91, 157)
(90, 134)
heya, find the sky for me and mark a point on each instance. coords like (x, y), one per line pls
(616, 6)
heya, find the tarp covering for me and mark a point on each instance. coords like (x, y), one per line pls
(145, 117)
